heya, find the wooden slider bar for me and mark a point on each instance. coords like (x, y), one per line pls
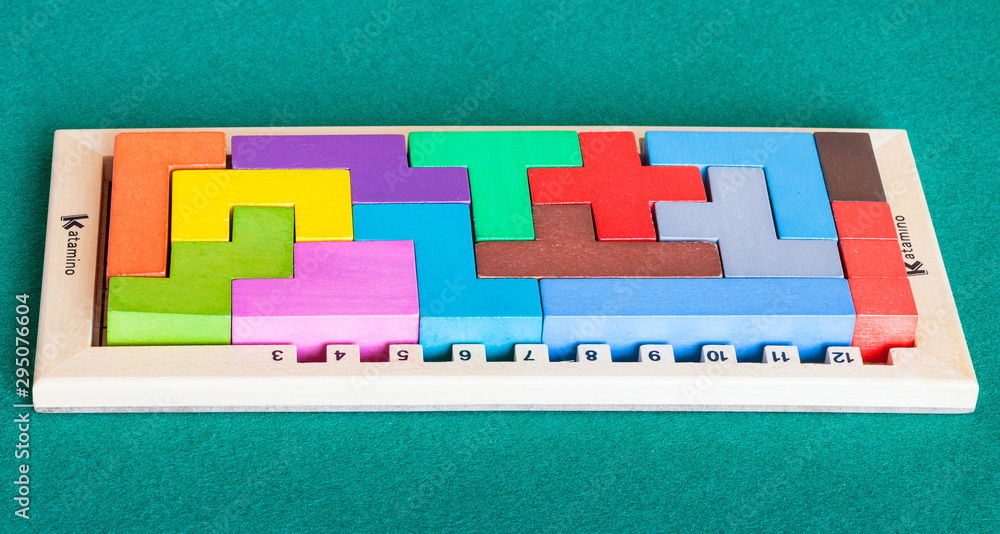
(268, 377)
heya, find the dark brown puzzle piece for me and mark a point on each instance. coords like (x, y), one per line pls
(566, 246)
(849, 167)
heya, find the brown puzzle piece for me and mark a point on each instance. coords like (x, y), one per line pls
(849, 167)
(566, 246)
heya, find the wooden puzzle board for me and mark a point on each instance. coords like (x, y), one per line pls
(74, 373)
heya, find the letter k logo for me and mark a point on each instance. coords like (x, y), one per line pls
(913, 269)
(73, 221)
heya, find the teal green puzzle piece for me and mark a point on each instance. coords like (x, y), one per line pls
(498, 165)
(193, 306)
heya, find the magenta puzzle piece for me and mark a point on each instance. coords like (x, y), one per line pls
(380, 171)
(343, 292)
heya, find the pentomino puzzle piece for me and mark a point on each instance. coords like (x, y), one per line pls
(873, 261)
(565, 247)
(203, 200)
(739, 219)
(361, 293)
(498, 163)
(872, 258)
(616, 185)
(864, 220)
(193, 305)
(140, 199)
(378, 165)
(749, 313)
(886, 316)
(849, 166)
(790, 164)
(455, 305)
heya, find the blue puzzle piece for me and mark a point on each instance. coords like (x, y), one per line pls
(749, 313)
(739, 219)
(790, 162)
(455, 305)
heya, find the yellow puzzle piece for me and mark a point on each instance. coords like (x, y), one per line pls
(203, 201)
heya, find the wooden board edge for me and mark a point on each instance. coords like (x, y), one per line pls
(171, 379)
(66, 306)
(476, 408)
(939, 329)
(916, 397)
(102, 140)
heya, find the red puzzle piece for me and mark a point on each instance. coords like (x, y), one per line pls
(863, 220)
(886, 316)
(872, 258)
(620, 190)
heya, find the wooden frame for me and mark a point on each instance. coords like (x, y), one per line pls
(74, 375)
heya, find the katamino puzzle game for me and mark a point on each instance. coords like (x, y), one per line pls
(507, 268)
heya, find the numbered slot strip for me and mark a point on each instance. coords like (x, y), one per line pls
(592, 353)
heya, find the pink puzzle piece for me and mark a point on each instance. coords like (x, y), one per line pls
(344, 292)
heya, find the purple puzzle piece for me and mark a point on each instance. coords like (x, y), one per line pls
(380, 171)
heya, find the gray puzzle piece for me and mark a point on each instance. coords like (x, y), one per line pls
(739, 219)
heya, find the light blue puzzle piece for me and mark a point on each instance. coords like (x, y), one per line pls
(749, 313)
(455, 305)
(790, 162)
(739, 219)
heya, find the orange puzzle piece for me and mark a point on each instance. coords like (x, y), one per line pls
(140, 194)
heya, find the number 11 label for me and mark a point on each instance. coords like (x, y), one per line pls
(781, 354)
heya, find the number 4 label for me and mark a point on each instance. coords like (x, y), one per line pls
(844, 356)
(343, 354)
(781, 354)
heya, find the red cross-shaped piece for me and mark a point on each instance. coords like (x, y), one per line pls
(620, 190)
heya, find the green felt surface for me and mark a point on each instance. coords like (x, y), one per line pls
(928, 67)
